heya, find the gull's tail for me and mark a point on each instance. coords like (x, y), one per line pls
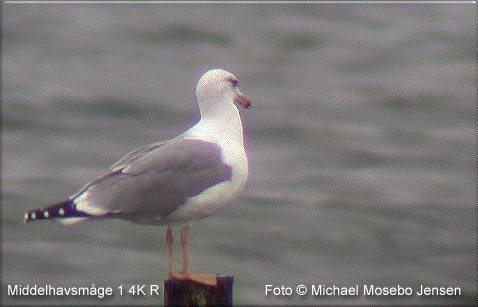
(65, 210)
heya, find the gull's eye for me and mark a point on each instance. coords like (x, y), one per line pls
(233, 82)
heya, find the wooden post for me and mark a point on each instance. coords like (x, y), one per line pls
(188, 293)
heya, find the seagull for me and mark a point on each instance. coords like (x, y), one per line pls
(189, 177)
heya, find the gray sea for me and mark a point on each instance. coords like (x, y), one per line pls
(361, 140)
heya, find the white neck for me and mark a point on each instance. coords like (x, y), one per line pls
(220, 124)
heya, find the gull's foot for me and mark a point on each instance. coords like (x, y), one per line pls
(176, 276)
(207, 279)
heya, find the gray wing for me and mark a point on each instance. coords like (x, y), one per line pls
(154, 181)
(133, 155)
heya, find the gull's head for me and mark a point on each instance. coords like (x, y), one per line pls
(218, 86)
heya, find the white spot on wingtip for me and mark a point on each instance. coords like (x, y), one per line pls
(25, 216)
(46, 214)
(61, 211)
(33, 216)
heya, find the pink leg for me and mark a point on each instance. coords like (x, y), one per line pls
(208, 279)
(169, 241)
(184, 245)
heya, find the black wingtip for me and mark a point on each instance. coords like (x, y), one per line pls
(63, 209)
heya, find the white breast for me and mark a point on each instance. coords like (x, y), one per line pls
(218, 196)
